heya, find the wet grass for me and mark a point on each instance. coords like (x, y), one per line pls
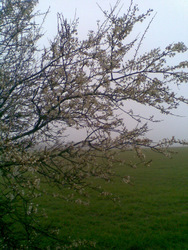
(151, 214)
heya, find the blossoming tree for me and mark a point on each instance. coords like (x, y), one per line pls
(77, 84)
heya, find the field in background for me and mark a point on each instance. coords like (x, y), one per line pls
(151, 214)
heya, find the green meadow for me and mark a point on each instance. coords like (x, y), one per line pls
(152, 213)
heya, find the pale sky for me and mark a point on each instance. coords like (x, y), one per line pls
(170, 25)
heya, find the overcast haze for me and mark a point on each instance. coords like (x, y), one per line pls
(170, 25)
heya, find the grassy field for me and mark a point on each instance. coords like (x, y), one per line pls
(151, 214)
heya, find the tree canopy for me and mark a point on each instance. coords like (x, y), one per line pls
(78, 84)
